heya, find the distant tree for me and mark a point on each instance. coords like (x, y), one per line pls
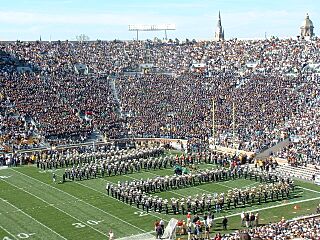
(176, 41)
(157, 40)
(82, 38)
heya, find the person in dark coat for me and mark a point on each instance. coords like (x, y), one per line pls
(225, 223)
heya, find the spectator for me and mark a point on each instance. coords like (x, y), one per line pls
(225, 223)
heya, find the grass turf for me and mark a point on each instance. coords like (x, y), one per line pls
(33, 207)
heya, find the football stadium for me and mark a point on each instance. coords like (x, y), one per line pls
(161, 139)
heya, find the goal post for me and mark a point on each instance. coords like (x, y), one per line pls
(169, 233)
(170, 230)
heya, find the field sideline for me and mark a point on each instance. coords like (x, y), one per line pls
(32, 207)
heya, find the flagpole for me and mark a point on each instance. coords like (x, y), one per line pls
(233, 124)
(213, 123)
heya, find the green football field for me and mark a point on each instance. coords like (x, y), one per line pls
(33, 207)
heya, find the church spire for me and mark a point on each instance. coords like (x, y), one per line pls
(219, 34)
(219, 20)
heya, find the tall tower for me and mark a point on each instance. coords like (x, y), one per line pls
(307, 28)
(219, 34)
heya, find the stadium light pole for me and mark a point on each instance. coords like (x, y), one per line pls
(213, 122)
(233, 124)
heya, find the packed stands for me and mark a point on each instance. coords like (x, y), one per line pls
(270, 81)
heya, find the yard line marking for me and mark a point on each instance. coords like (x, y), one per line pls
(223, 185)
(152, 173)
(57, 208)
(203, 190)
(8, 232)
(209, 164)
(251, 184)
(111, 215)
(138, 235)
(19, 210)
(276, 206)
(166, 191)
(311, 190)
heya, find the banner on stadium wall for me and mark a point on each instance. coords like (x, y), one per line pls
(295, 138)
(199, 65)
(229, 150)
(317, 180)
(179, 144)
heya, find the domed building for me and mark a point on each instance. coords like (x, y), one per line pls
(307, 28)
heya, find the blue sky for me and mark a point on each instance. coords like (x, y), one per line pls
(108, 19)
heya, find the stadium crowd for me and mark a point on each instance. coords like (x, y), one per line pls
(269, 82)
(268, 85)
(304, 146)
(292, 229)
(302, 228)
(200, 227)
